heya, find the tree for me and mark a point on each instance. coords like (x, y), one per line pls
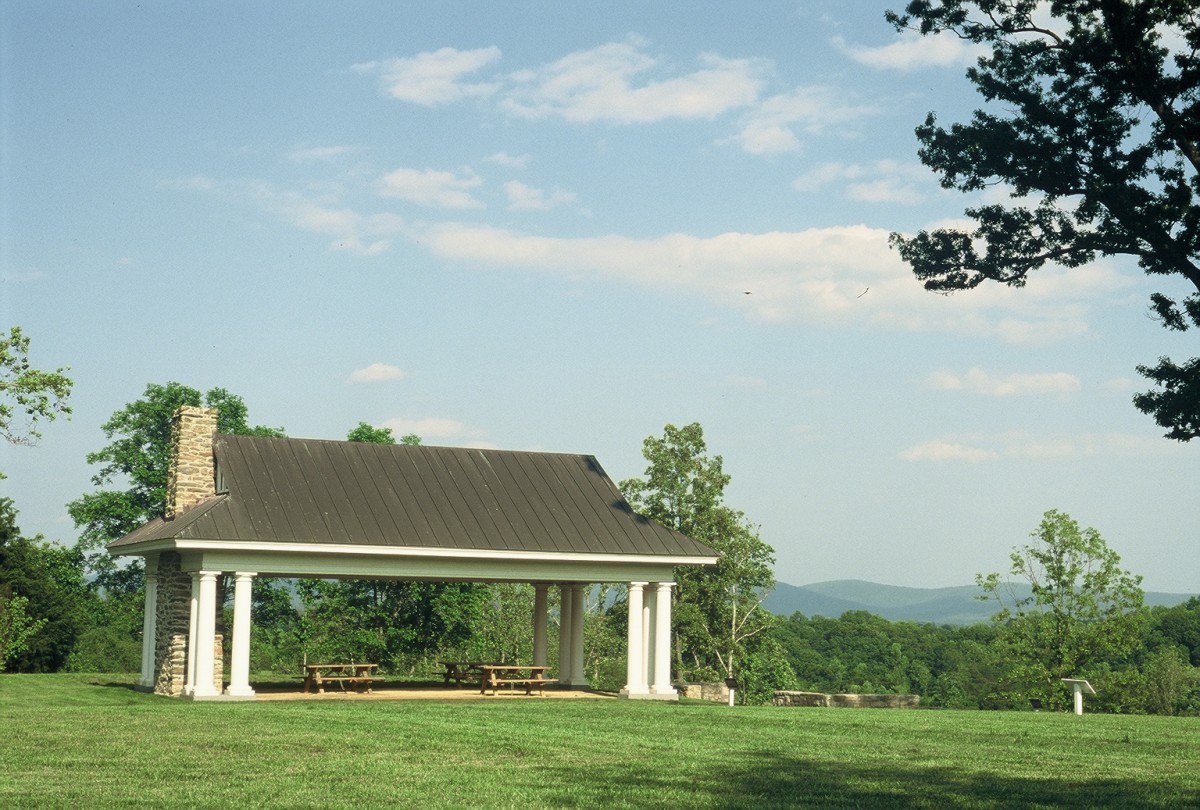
(16, 627)
(364, 432)
(1095, 129)
(718, 609)
(137, 456)
(27, 394)
(1083, 608)
(49, 580)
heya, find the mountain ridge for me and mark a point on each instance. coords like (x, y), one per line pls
(957, 604)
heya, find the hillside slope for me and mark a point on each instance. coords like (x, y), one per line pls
(954, 605)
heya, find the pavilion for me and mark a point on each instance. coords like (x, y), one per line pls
(255, 507)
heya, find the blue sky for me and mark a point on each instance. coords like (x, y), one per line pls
(559, 227)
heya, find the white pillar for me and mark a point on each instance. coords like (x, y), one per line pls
(662, 642)
(649, 597)
(239, 663)
(564, 634)
(150, 624)
(635, 670)
(189, 685)
(206, 635)
(540, 623)
(578, 674)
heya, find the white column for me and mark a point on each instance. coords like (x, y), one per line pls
(635, 670)
(189, 685)
(239, 663)
(206, 634)
(662, 641)
(150, 623)
(649, 597)
(540, 623)
(578, 675)
(564, 634)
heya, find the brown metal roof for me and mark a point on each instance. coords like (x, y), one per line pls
(314, 491)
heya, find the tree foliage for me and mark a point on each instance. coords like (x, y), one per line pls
(364, 432)
(16, 627)
(27, 395)
(136, 461)
(49, 580)
(717, 609)
(1093, 123)
(1083, 608)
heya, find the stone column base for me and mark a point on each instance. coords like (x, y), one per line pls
(625, 693)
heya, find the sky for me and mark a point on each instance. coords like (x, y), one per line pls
(560, 227)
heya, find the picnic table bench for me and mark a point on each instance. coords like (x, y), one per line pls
(496, 675)
(459, 671)
(357, 675)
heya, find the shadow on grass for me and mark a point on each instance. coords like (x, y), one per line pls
(774, 780)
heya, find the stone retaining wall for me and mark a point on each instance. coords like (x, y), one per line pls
(845, 701)
(716, 692)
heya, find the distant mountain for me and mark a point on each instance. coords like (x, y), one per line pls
(954, 605)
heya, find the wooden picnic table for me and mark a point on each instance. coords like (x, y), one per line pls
(460, 671)
(495, 675)
(357, 675)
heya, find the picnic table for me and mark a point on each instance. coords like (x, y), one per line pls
(495, 675)
(357, 675)
(460, 671)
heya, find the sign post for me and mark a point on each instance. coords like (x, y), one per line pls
(1080, 687)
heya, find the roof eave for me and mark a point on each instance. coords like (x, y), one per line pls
(360, 550)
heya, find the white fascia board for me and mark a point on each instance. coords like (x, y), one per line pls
(397, 562)
(339, 549)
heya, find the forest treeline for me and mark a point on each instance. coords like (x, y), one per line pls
(76, 608)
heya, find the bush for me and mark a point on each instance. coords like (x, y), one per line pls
(105, 649)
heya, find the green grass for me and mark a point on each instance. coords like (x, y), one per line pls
(92, 741)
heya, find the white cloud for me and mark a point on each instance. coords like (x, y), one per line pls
(1022, 446)
(438, 429)
(884, 181)
(434, 77)
(843, 275)
(364, 235)
(377, 372)
(939, 450)
(351, 231)
(436, 189)
(302, 154)
(977, 381)
(509, 161)
(526, 198)
(602, 84)
(913, 51)
(771, 127)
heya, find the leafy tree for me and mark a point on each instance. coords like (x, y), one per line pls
(1179, 626)
(365, 432)
(137, 457)
(1094, 125)
(717, 609)
(1083, 609)
(55, 597)
(392, 623)
(16, 627)
(27, 394)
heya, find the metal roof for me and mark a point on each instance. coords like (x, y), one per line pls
(354, 493)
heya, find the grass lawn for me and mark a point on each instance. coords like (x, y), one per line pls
(91, 741)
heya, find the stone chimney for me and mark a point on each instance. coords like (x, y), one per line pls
(190, 470)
